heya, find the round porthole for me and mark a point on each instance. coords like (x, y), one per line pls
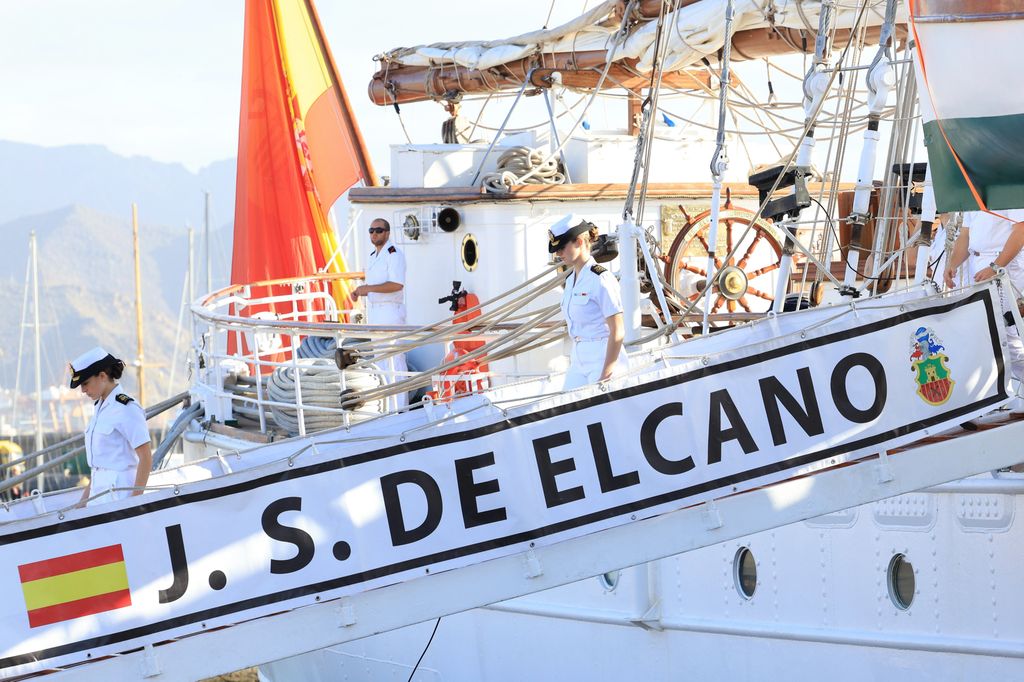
(470, 254)
(900, 577)
(744, 572)
(609, 581)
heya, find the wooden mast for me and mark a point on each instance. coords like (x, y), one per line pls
(634, 107)
(206, 241)
(140, 355)
(39, 376)
(401, 84)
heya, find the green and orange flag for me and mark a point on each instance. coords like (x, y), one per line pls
(972, 108)
(75, 585)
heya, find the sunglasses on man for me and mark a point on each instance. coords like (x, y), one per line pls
(379, 230)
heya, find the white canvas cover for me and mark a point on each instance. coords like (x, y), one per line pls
(694, 32)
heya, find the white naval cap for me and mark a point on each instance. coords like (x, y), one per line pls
(565, 230)
(89, 364)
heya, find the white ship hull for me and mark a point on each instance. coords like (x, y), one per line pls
(822, 606)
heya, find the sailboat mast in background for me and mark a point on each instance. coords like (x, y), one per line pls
(206, 241)
(38, 343)
(141, 356)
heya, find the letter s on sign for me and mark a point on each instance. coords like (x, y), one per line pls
(302, 540)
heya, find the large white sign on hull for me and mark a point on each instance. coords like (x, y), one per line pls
(351, 516)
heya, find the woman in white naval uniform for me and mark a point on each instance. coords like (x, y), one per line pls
(985, 242)
(385, 288)
(591, 305)
(117, 439)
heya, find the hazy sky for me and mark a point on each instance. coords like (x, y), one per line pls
(161, 78)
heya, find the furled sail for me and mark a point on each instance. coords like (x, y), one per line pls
(299, 147)
(580, 48)
(971, 110)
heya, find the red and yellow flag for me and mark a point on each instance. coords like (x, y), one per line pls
(299, 147)
(75, 585)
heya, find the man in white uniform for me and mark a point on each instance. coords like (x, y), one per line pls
(385, 288)
(984, 243)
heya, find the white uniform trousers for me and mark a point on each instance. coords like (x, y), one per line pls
(586, 362)
(976, 263)
(116, 484)
(390, 314)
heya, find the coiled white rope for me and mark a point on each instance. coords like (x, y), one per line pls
(521, 165)
(317, 347)
(321, 386)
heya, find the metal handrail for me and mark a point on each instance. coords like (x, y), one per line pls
(9, 483)
(38, 453)
(204, 310)
(151, 412)
(218, 314)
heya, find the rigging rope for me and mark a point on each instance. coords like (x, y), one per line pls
(669, 328)
(618, 39)
(533, 330)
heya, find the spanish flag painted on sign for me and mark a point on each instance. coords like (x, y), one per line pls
(75, 585)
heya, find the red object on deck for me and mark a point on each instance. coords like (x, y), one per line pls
(465, 303)
(459, 380)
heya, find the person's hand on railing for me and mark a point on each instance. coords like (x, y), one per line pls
(85, 496)
(947, 277)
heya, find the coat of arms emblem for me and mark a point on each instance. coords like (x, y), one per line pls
(928, 362)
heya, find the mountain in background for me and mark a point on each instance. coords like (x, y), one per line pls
(40, 179)
(78, 201)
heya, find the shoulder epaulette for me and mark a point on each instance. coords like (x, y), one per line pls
(124, 399)
(597, 269)
(392, 249)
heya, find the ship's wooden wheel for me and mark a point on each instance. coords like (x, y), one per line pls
(745, 282)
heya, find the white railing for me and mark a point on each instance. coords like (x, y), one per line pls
(253, 360)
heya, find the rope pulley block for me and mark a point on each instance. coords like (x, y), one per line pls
(345, 355)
